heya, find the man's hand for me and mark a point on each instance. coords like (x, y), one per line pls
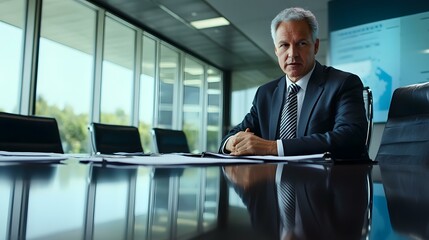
(247, 143)
(250, 175)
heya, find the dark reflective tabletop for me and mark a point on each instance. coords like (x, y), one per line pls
(339, 201)
(73, 200)
(92, 201)
(331, 201)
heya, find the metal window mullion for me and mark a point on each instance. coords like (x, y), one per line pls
(98, 67)
(179, 92)
(157, 82)
(156, 79)
(137, 72)
(204, 106)
(220, 123)
(30, 54)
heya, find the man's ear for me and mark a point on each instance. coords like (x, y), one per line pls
(316, 46)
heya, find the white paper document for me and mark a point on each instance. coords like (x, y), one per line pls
(33, 157)
(269, 158)
(206, 158)
(174, 159)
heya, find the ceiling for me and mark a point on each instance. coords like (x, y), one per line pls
(245, 47)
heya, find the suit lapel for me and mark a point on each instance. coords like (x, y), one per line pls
(277, 103)
(312, 94)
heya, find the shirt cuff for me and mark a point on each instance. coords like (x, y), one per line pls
(280, 150)
(223, 150)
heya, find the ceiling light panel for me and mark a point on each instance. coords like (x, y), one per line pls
(209, 23)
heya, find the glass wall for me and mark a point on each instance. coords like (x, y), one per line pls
(89, 60)
(192, 103)
(118, 65)
(65, 69)
(93, 66)
(11, 47)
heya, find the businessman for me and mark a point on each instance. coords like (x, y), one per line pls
(324, 111)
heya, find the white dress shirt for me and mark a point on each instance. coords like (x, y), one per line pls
(302, 83)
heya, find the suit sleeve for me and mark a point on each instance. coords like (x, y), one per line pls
(250, 121)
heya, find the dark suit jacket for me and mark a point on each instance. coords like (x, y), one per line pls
(332, 117)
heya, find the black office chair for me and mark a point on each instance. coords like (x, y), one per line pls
(109, 139)
(406, 134)
(170, 141)
(368, 101)
(21, 133)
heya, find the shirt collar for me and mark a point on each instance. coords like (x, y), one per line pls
(303, 82)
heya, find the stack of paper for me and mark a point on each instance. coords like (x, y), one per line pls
(31, 157)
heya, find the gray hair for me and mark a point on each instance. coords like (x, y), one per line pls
(295, 14)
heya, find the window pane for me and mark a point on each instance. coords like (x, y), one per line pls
(147, 90)
(192, 108)
(168, 79)
(11, 37)
(64, 79)
(118, 64)
(241, 102)
(214, 109)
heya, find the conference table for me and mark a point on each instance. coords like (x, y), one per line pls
(76, 199)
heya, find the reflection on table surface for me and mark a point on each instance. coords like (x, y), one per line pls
(89, 201)
(331, 202)
(74, 200)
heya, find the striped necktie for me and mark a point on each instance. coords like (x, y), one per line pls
(289, 113)
(287, 203)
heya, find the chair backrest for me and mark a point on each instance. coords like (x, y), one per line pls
(170, 141)
(109, 139)
(406, 133)
(21, 133)
(368, 101)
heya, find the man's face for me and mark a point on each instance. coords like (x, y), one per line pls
(295, 49)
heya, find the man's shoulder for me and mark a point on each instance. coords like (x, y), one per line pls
(332, 71)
